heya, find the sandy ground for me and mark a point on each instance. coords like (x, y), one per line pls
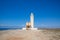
(30, 35)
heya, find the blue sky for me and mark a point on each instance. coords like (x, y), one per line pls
(17, 12)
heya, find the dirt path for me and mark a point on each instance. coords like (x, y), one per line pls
(29, 35)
